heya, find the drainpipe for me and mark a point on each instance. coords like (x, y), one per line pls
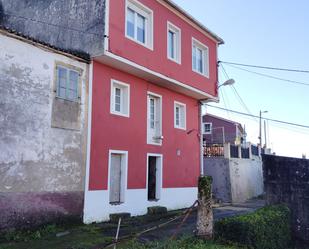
(201, 139)
(201, 104)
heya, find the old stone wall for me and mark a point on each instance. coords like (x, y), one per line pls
(68, 24)
(287, 181)
(235, 180)
(42, 167)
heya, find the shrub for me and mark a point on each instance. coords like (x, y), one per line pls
(267, 228)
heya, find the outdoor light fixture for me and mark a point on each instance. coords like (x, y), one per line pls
(229, 82)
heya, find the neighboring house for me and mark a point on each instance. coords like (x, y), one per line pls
(150, 68)
(43, 131)
(218, 130)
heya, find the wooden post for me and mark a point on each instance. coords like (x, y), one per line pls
(204, 211)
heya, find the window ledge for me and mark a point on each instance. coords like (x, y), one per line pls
(116, 203)
(205, 75)
(120, 114)
(180, 128)
(140, 43)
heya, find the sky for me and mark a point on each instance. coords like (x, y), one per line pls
(267, 33)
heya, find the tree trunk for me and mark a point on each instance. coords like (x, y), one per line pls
(204, 211)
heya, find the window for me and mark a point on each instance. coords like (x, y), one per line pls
(67, 83)
(179, 115)
(200, 60)
(120, 98)
(207, 128)
(139, 23)
(173, 43)
(154, 119)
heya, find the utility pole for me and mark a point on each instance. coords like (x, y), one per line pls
(265, 134)
(260, 133)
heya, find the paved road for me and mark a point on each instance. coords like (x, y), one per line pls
(190, 224)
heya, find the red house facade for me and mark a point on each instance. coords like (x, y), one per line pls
(144, 150)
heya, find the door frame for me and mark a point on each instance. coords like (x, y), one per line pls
(124, 172)
(159, 175)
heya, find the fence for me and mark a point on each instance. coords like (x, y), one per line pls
(228, 150)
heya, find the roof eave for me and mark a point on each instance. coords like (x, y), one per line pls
(219, 40)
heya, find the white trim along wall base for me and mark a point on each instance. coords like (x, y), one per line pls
(98, 209)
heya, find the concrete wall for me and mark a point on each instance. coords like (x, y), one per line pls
(218, 168)
(246, 179)
(41, 166)
(235, 180)
(68, 24)
(287, 181)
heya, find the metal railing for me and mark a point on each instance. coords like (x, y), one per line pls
(228, 150)
(214, 150)
(234, 152)
(245, 152)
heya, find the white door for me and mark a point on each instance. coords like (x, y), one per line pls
(115, 178)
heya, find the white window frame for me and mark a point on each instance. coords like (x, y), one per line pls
(210, 125)
(124, 176)
(150, 140)
(182, 106)
(68, 68)
(177, 42)
(122, 112)
(159, 175)
(147, 13)
(205, 50)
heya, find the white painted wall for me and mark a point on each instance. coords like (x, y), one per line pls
(97, 207)
(235, 180)
(246, 177)
(34, 156)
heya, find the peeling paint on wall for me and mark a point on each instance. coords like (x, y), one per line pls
(34, 156)
(68, 24)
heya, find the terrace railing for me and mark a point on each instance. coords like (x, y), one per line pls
(214, 150)
(228, 150)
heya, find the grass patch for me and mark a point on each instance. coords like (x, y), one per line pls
(267, 228)
(183, 243)
(79, 237)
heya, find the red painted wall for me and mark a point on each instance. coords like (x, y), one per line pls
(157, 59)
(130, 134)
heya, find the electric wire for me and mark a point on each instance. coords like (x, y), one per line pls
(238, 97)
(271, 77)
(265, 67)
(269, 119)
(224, 102)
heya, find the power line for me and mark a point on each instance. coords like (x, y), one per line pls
(270, 76)
(269, 119)
(239, 98)
(264, 67)
(51, 24)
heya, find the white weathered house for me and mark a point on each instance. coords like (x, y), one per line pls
(43, 131)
